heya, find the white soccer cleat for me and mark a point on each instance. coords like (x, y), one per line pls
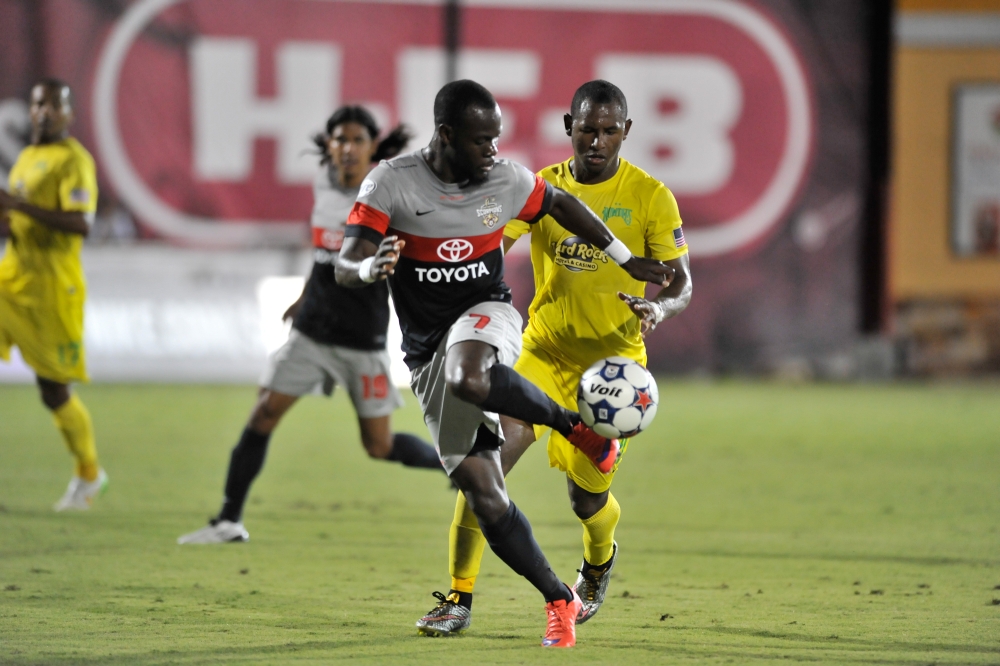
(80, 494)
(217, 531)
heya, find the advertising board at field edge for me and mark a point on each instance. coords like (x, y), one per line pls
(721, 102)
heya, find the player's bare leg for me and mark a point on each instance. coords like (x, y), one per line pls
(518, 436)
(585, 503)
(54, 395)
(382, 443)
(267, 412)
(376, 436)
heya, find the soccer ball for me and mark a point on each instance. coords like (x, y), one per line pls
(617, 397)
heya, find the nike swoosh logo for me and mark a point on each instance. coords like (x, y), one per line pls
(424, 212)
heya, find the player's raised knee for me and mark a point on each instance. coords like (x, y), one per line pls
(468, 384)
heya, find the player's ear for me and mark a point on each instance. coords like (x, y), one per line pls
(568, 123)
(628, 126)
(446, 133)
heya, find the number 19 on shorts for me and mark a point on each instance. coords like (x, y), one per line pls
(376, 387)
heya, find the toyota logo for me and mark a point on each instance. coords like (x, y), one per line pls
(456, 249)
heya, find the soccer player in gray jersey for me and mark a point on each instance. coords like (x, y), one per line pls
(431, 223)
(338, 335)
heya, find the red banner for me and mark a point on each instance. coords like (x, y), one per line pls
(200, 112)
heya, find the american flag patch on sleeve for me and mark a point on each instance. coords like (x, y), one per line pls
(81, 196)
(679, 241)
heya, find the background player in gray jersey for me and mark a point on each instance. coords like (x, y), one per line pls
(338, 334)
(427, 212)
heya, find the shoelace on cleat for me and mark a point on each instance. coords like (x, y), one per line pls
(593, 582)
(443, 603)
(555, 623)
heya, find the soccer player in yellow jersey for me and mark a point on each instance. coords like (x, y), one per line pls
(584, 310)
(46, 214)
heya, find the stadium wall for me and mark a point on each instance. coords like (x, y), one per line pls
(945, 261)
(755, 113)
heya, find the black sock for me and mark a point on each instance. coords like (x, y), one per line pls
(511, 539)
(414, 452)
(464, 598)
(244, 466)
(513, 395)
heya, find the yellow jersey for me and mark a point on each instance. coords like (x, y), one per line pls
(576, 314)
(42, 289)
(41, 266)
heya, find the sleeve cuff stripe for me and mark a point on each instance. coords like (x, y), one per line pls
(359, 231)
(366, 216)
(538, 203)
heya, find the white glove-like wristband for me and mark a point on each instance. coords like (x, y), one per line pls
(365, 269)
(618, 252)
(660, 311)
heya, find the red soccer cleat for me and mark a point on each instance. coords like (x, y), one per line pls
(561, 630)
(603, 452)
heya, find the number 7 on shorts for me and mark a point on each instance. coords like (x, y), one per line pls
(483, 321)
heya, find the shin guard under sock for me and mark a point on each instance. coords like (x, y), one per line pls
(412, 451)
(245, 464)
(512, 541)
(513, 395)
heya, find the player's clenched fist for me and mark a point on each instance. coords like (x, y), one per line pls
(386, 257)
(649, 270)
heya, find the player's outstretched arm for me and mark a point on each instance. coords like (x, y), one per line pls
(574, 216)
(69, 221)
(361, 262)
(670, 302)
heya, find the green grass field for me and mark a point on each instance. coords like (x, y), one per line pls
(761, 524)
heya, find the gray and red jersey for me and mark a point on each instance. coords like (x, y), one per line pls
(331, 314)
(453, 258)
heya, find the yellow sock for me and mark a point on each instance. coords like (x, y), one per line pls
(73, 421)
(599, 533)
(465, 547)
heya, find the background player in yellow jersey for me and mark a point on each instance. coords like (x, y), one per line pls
(46, 214)
(583, 310)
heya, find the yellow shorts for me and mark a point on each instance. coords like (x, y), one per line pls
(46, 345)
(559, 380)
